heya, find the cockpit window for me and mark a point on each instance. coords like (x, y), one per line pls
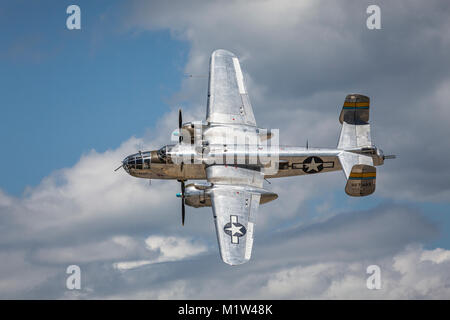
(138, 161)
(162, 153)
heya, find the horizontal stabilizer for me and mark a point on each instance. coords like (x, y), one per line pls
(361, 181)
(350, 159)
(359, 172)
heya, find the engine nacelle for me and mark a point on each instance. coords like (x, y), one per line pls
(189, 132)
(195, 196)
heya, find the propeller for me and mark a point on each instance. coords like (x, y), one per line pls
(180, 135)
(183, 209)
(181, 195)
(121, 166)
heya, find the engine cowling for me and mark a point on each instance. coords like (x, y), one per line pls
(196, 196)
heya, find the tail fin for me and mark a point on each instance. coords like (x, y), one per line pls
(354, 117)
(355, 135)
(361, 181)
(360, 173)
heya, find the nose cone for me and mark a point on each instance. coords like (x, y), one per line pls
(125, 164)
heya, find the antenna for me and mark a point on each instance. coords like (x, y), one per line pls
(196, 76)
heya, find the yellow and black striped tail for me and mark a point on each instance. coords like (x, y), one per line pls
(355, 109)
(361, 181)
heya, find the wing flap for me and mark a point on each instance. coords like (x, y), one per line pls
(229, 175)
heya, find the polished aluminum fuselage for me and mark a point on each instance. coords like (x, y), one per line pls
(189, 162)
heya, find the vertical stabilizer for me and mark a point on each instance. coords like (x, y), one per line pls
(355, 132)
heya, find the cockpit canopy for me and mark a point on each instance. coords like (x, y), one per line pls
(139, 160)
(162, 153)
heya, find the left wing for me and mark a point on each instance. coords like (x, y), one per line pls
(235, 198)
(228, 101)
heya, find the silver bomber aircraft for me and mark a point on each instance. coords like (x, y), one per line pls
(235, 171)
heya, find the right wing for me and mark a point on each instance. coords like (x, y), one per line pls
(228, 101)
(235, 198)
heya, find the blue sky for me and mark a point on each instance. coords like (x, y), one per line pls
(117, 83)
(65, 92)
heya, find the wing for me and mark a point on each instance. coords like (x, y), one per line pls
(228, 101)
(235, 198)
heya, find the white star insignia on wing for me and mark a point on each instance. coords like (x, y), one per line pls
(234, 229)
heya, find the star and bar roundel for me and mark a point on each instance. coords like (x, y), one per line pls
(315, 164)
(234, 229)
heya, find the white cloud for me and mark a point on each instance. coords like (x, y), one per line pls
(404, 276)
(168, 249)
(173, 248)
(437, 255)
(114, 248)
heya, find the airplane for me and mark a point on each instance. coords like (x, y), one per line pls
(213, 150)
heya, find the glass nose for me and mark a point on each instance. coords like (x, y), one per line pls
(137, 161)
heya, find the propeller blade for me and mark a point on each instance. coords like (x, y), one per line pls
(118, 168)
(183, 209)
(180, 124)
